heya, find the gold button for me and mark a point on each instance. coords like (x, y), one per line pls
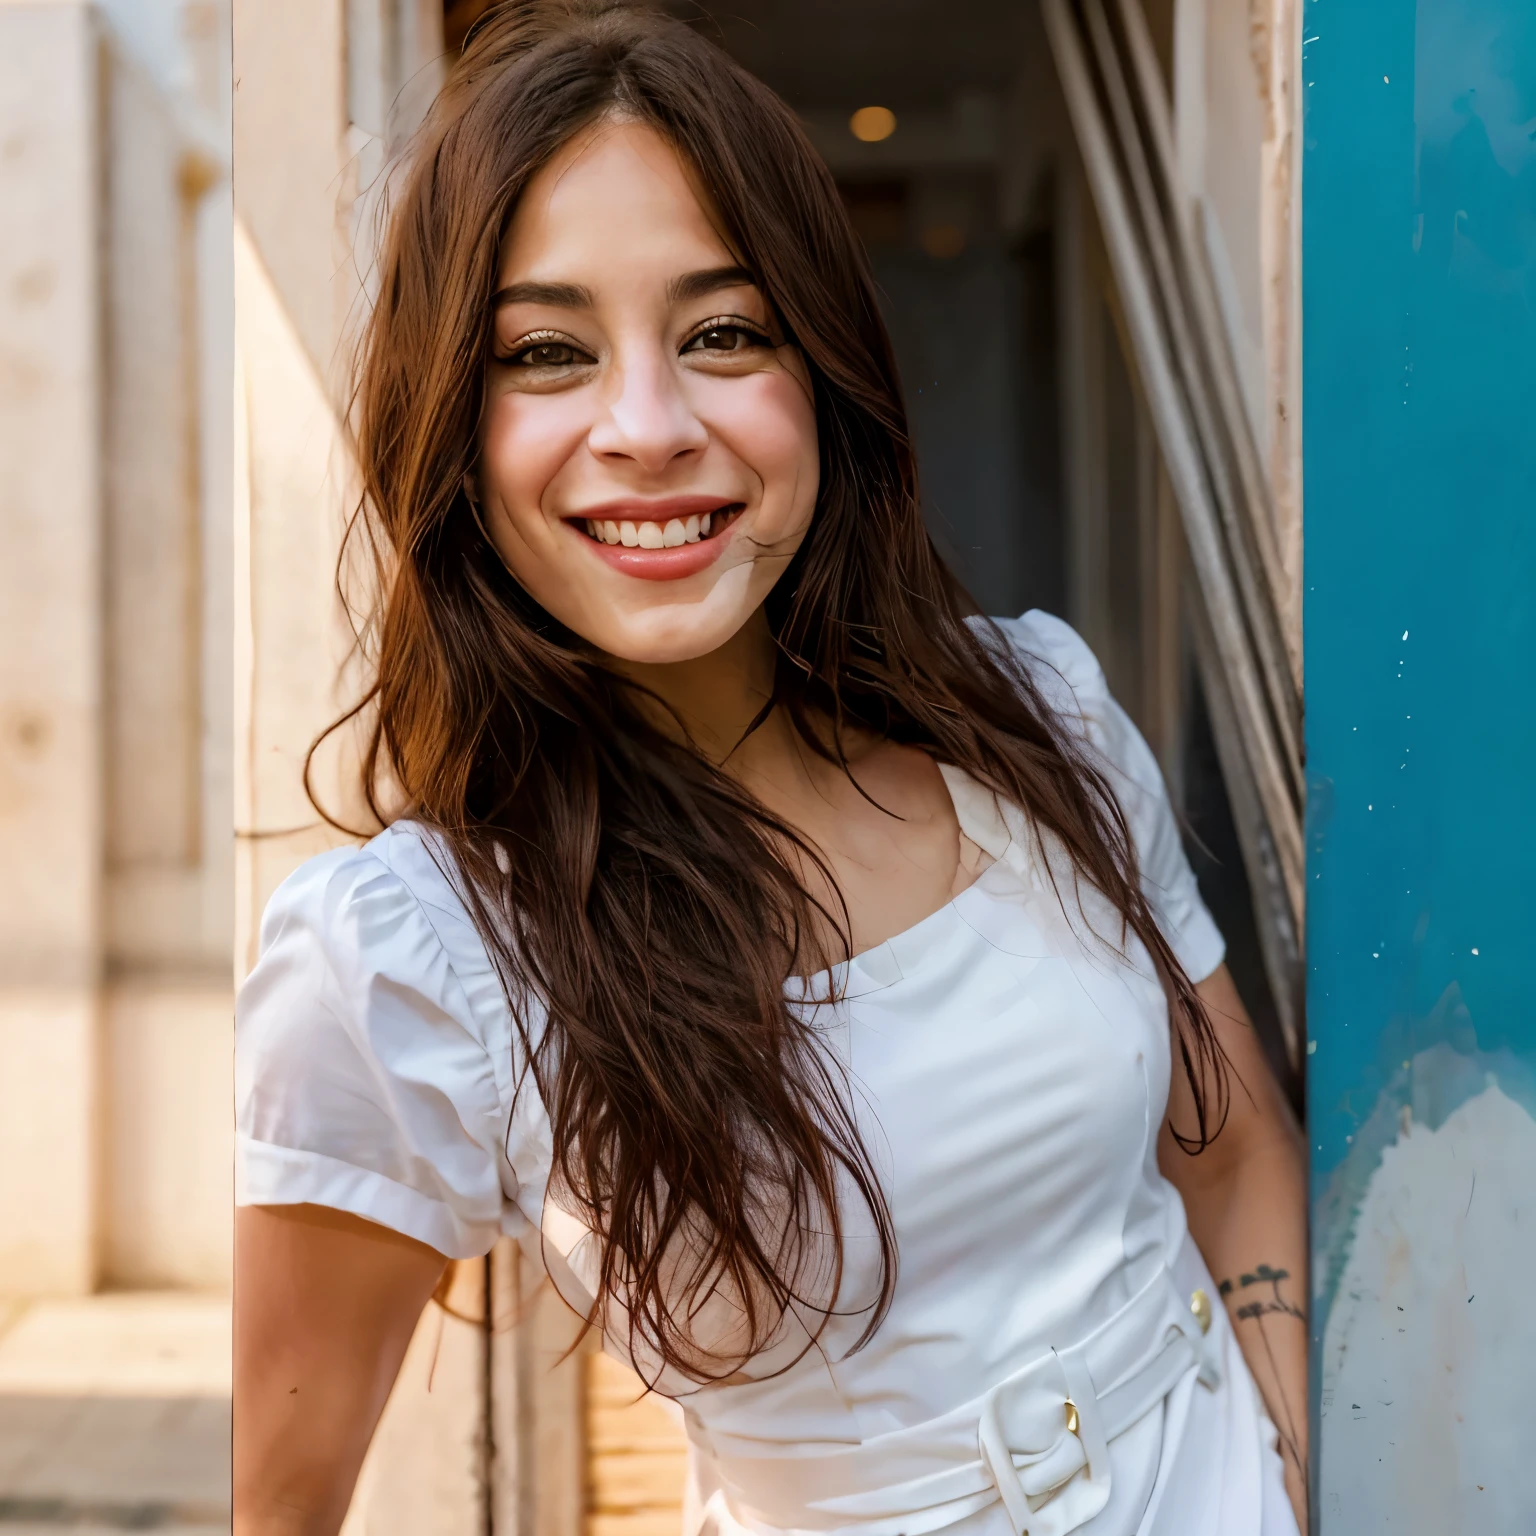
(1200, 1305)
(1072, 1420)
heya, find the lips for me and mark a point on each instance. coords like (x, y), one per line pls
(659, 540)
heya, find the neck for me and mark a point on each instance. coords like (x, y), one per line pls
(717, 696)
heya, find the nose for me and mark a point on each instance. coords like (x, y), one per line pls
(648, 418)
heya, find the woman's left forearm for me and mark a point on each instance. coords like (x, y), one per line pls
(1253, 1235)
(1245, 1195)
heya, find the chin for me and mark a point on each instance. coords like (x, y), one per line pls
(666, 634)
(644, 629)
(664, 645)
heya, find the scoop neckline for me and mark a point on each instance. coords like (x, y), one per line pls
(880, 966)
(884, 964)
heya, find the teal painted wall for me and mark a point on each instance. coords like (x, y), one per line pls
(1419, 269)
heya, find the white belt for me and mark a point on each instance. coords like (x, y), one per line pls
(1023, 1442)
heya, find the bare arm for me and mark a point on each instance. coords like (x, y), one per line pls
(325, 1305)
(1246, 1200)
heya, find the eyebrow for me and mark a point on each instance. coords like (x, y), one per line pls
(557, 295)
(691, 285)
(695, 285)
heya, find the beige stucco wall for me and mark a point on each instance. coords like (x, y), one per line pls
(50, 646)
(166, 1134)
(168, 852)
(115, 759)
(291, 489)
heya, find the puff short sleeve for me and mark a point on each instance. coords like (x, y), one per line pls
(373, 1056)
(1069, 676)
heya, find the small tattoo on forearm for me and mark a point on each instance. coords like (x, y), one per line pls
(1256, 1310)
(1261, 1305)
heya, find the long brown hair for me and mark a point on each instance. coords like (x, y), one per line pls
(643, 909)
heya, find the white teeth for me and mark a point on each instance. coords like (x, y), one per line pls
(668, 535)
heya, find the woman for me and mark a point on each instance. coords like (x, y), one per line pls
(809, 976)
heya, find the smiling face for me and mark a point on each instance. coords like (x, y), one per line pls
(648, 456)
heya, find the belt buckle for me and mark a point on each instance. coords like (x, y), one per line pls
(1085, 1486)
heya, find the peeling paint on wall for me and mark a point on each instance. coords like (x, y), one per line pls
(1419, 273)
(1426, 1352)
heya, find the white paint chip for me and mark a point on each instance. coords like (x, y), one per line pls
(1422, 1242)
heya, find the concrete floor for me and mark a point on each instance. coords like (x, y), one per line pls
(114, 1415)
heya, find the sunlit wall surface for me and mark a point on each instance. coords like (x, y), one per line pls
(1420, 432)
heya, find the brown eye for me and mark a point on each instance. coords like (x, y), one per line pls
(547, 354)
(726, 338)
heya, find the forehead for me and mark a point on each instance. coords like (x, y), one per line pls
(616, 199)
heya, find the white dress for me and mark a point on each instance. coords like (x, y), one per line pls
(1042, 1367)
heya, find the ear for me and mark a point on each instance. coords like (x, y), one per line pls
(471, 489)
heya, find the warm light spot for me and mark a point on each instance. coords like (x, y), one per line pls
(871, 124)
(943, 241)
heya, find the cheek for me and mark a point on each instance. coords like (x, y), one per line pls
(767, 421)
(525, 442)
